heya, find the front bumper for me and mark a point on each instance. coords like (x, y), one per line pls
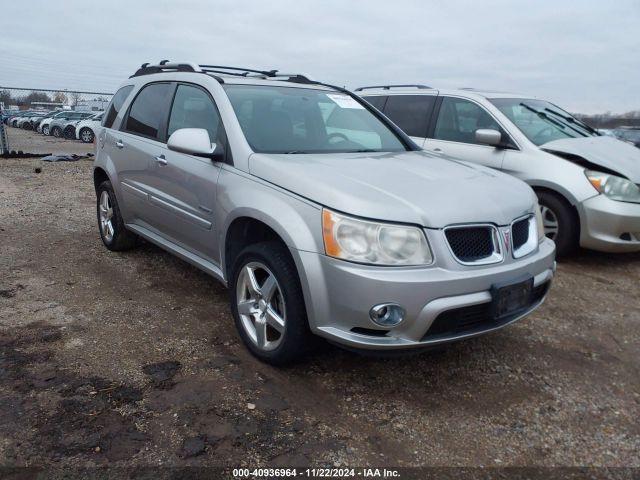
(609, 225)
(340, 294)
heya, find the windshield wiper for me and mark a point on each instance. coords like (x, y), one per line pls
(552, 120)
(543, 115)
(574, 120)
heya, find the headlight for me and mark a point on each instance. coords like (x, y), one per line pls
(376, 243)
(614, 187)
(539, 223)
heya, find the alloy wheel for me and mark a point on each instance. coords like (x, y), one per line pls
(86, 135)
(261, 306)
(106, 216)
(549, 222)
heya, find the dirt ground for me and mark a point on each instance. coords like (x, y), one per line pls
(132, 359)
(30, 142)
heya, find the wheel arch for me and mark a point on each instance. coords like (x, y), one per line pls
(99, 175)
(567, 197)
(249, 225)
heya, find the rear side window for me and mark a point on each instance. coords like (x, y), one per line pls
(377, 101)
(410, 112)
(193, 108)
(116, 104)
(147, 111)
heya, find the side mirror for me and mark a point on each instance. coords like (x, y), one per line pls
(488, 136)
(193, 141)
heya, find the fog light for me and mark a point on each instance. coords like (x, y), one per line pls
(387, 314)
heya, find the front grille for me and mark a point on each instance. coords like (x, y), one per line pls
(475, 318)
(470, 244)
(520, 232)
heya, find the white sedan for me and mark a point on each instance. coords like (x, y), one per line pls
(86, 129)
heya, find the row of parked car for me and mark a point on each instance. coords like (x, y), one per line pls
(68, 124)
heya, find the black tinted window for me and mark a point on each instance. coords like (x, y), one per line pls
(193, 108)
(147, 110)
(377, 101)
(116, 104)
(410, 112)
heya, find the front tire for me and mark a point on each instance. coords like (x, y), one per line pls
(267, 304)
(45, 130)
(86, 135)
(560, 221)
(114, 234)
(56, 132)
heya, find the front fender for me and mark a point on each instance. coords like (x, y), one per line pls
(296, 220)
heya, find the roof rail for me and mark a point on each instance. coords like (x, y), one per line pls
(166, 66)
(239, 71)
(388, 87)
(246, 72)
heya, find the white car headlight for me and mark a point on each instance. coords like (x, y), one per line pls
(375, 243)
(614, 187)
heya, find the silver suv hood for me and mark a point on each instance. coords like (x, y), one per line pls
(408, 187)
(607, 152)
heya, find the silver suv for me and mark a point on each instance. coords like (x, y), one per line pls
(319, 214)
(588, 185)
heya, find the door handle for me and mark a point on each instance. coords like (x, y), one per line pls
(437, 150)
(119, 144)
(161, 160)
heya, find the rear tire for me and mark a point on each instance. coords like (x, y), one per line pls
(556, 210)
(56, 132)
(114, 234)
(45, 130)
(285, 336)
(69, 133)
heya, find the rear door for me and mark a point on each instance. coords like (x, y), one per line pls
(453, 132)
(136, 144)
(183, 187)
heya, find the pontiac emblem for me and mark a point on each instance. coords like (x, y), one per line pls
(506, 234)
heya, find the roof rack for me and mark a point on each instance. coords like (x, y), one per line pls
(388, 87)
(166, 66)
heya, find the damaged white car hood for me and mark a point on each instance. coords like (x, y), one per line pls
(608, 152)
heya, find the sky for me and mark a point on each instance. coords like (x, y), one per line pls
(583, 55)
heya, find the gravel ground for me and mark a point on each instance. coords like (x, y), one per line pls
(132, 360)
(30, 142)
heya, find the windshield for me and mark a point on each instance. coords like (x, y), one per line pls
(301, 120)
(541, 121)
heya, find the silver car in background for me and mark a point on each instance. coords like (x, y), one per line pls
(587, 184)
(320, 215)
(58, 123)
